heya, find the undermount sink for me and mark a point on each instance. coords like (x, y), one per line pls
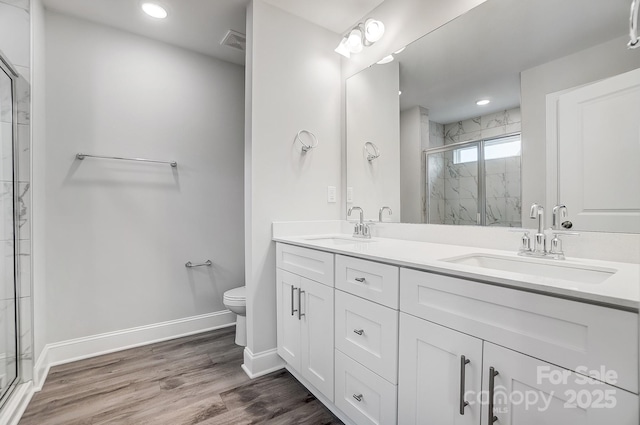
(339, 240)
(536, 267)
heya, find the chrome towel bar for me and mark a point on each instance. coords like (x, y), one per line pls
(82, 156)
(189, 264)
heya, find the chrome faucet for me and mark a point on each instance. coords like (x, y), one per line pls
(360, 230)
(381, 211)
(559, 222)
(540, 239)
(560, 218)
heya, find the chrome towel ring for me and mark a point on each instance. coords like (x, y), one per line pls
(372, 151)
(306, 147)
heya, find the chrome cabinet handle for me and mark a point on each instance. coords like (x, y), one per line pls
(492, 375)
(358, 397)
(463, 363)
(300, 313)
(293, 289)
(358, 331)
(360, 279)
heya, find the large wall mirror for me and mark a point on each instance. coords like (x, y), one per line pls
(511, 103)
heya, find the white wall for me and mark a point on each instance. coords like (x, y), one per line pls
(598, 62)
(411, 159)
(373, 115)
(294, 84)
(38, 162)
(118, 233)
(405, 21)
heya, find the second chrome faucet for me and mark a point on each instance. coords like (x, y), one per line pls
(539, 248)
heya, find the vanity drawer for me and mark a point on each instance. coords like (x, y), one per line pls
(570, 334)
(367, 279)
(309, 263)
(368, 333)
(364, 396)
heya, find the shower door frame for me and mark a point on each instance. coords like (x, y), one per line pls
(13, 74)
(482, 177)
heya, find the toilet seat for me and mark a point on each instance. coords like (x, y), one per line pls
(237, 295)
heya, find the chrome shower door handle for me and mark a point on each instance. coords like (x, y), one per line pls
(463, 365)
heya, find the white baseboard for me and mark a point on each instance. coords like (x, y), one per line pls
(17, 404)
(260, 364)
(83, 348)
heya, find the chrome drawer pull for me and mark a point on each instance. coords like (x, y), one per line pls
(492, 376)
(358, 397)
(293, 310)
(358, 331)
(360, 279)
(463, 363)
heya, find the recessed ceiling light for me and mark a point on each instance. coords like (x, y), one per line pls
(399, 51)
(483, 102)
(385, 59)
(154, 10)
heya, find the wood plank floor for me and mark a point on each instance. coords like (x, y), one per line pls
(186, 381)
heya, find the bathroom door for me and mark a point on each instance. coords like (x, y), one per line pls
(598, 131)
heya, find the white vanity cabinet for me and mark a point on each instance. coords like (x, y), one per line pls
(528, 391)
(305, 316)
(492, 327)
(366, 340)
(387, 344)
(439, 367)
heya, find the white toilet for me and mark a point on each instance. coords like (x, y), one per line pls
(236, 301)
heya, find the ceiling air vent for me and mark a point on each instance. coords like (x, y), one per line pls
(235, 40)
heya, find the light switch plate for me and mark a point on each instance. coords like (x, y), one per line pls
(331, 194)
(349, 195)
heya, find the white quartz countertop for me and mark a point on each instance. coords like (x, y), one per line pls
(621, 289)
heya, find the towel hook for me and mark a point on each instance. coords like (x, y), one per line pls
(305, 147)
(372, 151)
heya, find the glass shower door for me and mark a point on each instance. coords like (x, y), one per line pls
(452, 185)
(8, 296)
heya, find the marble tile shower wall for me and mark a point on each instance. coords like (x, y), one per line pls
(454, 187)
(483, 127)
(15, 41)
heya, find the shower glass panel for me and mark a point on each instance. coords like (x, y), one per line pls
(502, 181)
(475, 183)
(452, 185)
(8, 298)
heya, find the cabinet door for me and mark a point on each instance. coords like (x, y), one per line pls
(287, 287)
(317, 336)
(528, 391)
(430, 386)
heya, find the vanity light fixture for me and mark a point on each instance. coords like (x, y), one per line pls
(354, 41)
(483, 102)
(373, 30)
(360, 36)
(154, 10)
(343, 49)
